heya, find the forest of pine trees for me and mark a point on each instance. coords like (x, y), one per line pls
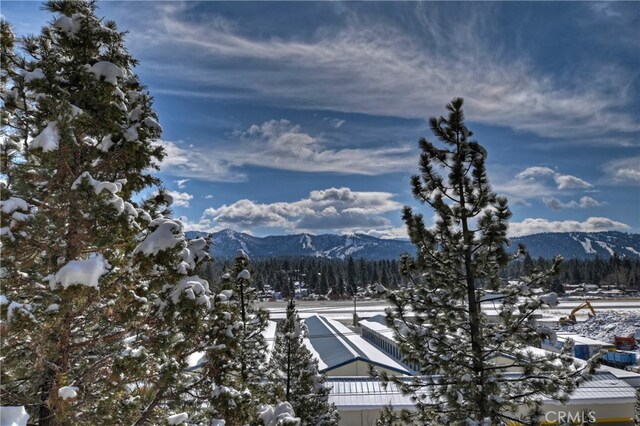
(616, 272)
(340, 278)
(345, 276)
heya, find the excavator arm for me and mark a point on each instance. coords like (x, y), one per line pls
(571, 319)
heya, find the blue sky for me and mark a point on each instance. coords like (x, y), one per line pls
(291, 117)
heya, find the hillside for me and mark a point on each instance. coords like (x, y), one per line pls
(576, 245)
(581, 245)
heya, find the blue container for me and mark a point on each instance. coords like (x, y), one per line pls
(581, 351)
(620, 358)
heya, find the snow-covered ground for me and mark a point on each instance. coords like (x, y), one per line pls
(607, 324)
(343, 309)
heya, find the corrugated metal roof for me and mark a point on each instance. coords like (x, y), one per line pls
(357, 393)
(382, 329)
(337, 345)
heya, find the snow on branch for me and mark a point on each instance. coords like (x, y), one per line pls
(167, 235)
(48, 139)
(84, 272)
(106, 69)
(69, 24)
(112, 187)
(281, 414)
(193, 288)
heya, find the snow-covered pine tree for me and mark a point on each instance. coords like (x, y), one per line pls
(100, 309)
(8, 63)
(305, 387)
(460, 381)
(236, 378)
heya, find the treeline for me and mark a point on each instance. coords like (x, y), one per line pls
(340, 278)
(345, 277)
(618, 272)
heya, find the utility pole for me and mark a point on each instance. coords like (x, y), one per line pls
(355, 312)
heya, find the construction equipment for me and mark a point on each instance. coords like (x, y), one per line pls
(625, 343)
(571, 319)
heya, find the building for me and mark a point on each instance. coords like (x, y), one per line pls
(583, 347)
(343, 352)
(360, 400)
(609, 394)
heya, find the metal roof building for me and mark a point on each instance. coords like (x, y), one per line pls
(364, 392)
(360, 400)
(610, 393)
(376, 331)
(342, 352)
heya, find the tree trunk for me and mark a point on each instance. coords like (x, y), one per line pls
(473, 305)
(288, 369)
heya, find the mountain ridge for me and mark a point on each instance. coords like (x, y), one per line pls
(570, 245)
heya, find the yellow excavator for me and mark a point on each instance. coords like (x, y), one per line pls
(571, 319)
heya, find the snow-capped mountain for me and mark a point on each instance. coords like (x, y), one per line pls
(576, 245)
(225, 244)
(581, 245)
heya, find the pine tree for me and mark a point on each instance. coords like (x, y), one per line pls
(457, 265)
(305, 387)
(236, 379)
(101, 308)
(351, 277)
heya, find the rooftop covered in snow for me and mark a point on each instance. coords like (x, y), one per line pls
(363, 393)
(335, 346)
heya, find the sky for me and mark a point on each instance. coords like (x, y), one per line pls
(292, 117)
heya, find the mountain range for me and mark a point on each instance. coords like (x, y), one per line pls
(570, 245)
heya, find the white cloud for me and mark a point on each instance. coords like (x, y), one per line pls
(209, 197)
(530, 172)
(196, 163)
(520, 190)
(539, 225)
(623, 171)
(336, 123)
(174, 155)
(563, 181)
(283, 145)
(584, 203)
(181, 183)
(180, 199)
(536, 182)
(568, 181)
(326, 210)
(391, 233)
(280, 144)
(604, 8)
(377, 68)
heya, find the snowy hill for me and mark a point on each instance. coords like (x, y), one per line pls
(225, 244)
(571, 245)
(581, 245)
